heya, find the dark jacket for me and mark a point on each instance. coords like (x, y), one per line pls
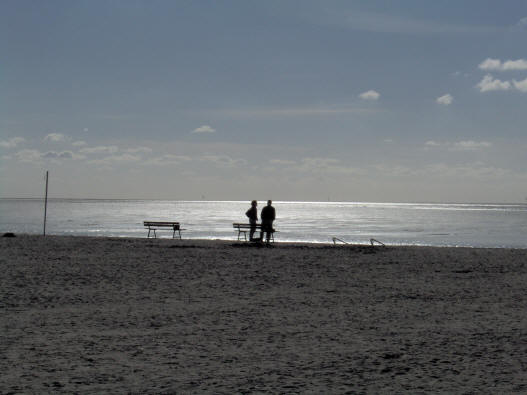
(252, 213)
(268, 214)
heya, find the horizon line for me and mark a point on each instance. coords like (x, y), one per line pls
(264, 200)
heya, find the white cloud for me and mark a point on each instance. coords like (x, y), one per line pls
(12, 142)
(520, 64)
(520, 85)
(58, 155)
(223, 160)
(282, 162)
(35, 156)
(488, 83)
(370, 95)
(432, 143)
(55, 137)
(167, 160)
(466, 145)
(137, 150)
(204, 129)
(28, 155)
(111, 149)
(116, 159)
(445, 100)
(490, 64)
(470, 145)
(319, 162)
(79, 143)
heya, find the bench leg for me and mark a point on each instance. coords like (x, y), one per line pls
(148, 236)
(244, 234)
(174, 233)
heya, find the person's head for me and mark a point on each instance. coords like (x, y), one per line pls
(254, 203)
(269, 202)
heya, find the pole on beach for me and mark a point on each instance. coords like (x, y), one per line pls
(46, 202)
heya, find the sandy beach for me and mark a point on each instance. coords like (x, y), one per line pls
(116, 315)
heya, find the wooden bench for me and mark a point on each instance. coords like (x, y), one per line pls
(155, 225)
(246, 228)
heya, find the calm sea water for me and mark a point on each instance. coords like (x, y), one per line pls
(475, 225)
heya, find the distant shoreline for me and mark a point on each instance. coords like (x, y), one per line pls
(241, 243)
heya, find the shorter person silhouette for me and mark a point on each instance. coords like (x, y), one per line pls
(268, 216)
(252, 213)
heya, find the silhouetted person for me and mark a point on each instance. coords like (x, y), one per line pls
(268, 215)
(252, 213)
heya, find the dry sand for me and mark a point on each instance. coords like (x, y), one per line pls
(107, 315)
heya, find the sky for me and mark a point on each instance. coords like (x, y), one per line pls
(382, 101)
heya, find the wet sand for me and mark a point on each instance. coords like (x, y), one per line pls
(108, 315)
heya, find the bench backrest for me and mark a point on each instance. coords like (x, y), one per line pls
(238, 226)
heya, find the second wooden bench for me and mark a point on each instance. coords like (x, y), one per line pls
(156, 225)
(243, 228)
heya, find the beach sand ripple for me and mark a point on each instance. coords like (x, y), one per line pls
(98, 315)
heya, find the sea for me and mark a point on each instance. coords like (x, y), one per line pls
(421, 224)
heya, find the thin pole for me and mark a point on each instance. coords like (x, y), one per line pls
(46, 203)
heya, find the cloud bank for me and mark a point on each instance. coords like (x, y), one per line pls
(490, 64)
(520, 85)
(489, 84)
(55, 137)
(12, 142)
(471, 145)
(464, 145)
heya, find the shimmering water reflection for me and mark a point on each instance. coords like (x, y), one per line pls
(478, 225)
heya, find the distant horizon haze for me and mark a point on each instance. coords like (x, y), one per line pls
(263, 201)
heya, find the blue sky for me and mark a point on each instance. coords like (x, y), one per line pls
(289, 100)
